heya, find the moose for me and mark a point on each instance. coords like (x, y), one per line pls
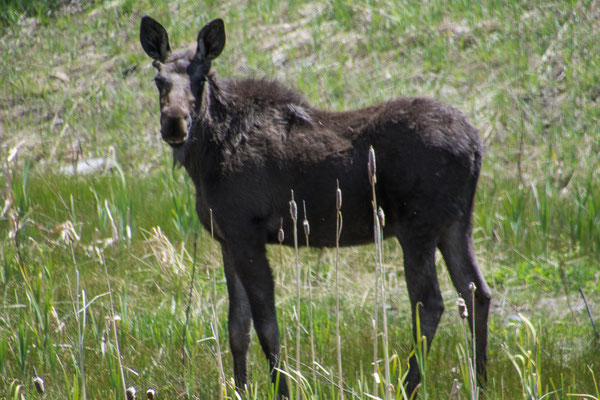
(247, 143)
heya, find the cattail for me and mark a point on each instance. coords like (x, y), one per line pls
(377, 233)
(39, 385)
(306, 226)
(338, 199)
(381, 216)
(293, 208)
(131, 393)
(455, 391)
(462, 308)
(280, 235)
(372, 167)
(150, 394)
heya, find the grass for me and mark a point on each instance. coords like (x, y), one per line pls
(75, 84)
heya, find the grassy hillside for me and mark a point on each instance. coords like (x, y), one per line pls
(78, 249)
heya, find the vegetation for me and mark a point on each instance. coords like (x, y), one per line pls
(98, 271)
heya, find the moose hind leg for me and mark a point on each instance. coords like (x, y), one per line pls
(424, 293)
(456, 245)
(239, 322)
(255, 275)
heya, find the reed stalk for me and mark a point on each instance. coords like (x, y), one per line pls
(189, 304)
(386, 356)
(378, 224)
(420, 353)
(376, 379)
(464, 314)
(469, 347)
(80, 331)
(306, 227)
(473, 375)
(113, 319)
(281, 238)
(587, 307)
(372, 179)
(338, 232)
(294, 215)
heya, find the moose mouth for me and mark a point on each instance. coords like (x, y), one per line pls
(176, 142)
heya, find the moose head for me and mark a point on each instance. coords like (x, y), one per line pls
(180, 76)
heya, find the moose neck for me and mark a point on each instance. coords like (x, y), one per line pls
(215, 107)
(201, 155)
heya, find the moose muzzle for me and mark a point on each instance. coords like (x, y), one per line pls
(175, 128)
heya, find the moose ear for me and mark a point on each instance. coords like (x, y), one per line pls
(211, 40)
(154, 39)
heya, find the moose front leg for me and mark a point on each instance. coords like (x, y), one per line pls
(254, 273)
(239, 322)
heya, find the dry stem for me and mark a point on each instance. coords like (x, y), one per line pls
(294, 215)
(338, 232)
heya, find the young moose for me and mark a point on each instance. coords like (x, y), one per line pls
(247, 143)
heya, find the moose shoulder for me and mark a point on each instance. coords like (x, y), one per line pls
(247, 143)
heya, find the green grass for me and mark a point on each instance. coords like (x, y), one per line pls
(75, 84)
